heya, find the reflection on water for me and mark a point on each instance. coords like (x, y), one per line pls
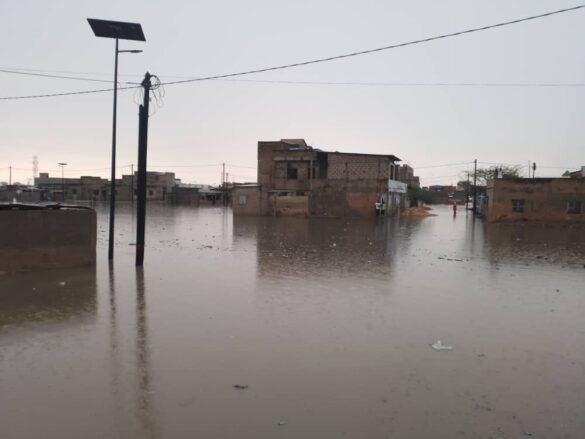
(144, 393)
(562, 244)
(328, 322)
(59, 295)
(321, 247)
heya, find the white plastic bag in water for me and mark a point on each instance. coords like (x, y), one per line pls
(439, 346)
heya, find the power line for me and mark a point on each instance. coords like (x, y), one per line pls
(18, 71)
(241, 166)
(380, 49)
(68, 93)
(331, 58)
(184, 166)
(442, 166)
(418, 84)
(45, 75)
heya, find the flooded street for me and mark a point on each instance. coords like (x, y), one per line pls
(327, 326)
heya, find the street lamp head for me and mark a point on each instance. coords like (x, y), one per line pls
(130, 51)
(62, 164)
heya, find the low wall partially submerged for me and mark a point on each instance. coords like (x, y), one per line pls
(34, 238)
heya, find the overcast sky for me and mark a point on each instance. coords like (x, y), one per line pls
(211, 122)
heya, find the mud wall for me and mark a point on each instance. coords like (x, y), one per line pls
(38, 239)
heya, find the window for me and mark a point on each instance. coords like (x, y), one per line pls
(150, 193)
(74, 191)
(292, 173)
(574, 206)
(518, 206)
(242, 200)
(96, 192)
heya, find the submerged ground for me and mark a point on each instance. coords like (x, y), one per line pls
(329, 324)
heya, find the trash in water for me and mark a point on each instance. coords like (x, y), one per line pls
(62, 284)
(281, 423)
(439, 346)
(239, 386)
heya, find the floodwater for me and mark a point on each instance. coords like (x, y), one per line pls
(328, 322)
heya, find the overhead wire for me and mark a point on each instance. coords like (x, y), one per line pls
(74, 78)
(326, 59)
(380, 49)
(343, 83)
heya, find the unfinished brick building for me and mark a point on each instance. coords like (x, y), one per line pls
(536, 199)
(297, 179)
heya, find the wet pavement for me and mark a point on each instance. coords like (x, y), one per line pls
(325, 325)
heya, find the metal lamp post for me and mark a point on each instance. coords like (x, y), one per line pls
(63, 179)
(119, 31)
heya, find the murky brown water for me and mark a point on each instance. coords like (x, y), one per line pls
(328, 322)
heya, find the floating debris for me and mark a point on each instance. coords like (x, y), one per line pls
(62, 283)
(281, 423)
(439, 346)
(240, 386)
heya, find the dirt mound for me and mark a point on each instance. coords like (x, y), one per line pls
(418, 211)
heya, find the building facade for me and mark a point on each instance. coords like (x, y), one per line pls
(86, 188)
(536, 199)
(297, 179)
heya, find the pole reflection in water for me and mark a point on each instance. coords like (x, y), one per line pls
(114, 346)
(144, 393)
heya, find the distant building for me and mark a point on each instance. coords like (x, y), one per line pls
(575, 174)
(448, 189)
(185, 194)
(20, 193)
(297, 179)
(76, 189)
(539, 199)
(86, 188)
(405, 174)
(159, 185)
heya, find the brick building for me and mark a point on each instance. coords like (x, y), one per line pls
(297, 179)
(405, 174)
(539, 199)
(86, 188)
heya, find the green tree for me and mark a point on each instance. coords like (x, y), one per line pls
(417, 196)
(485, 174)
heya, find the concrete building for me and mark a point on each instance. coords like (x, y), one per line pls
(297, 179)
(159, 186)
(86, 188)
(539, 199)
(20, 193)
(405, 174)
(185, 194)
(76, 189)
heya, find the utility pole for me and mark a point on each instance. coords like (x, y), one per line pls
(141, 177)
(474, 187)
(223, 179)
(467, 192)
(10, 176)
(132, 183)
(533, 169)
(63, 178)
(113, 177)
